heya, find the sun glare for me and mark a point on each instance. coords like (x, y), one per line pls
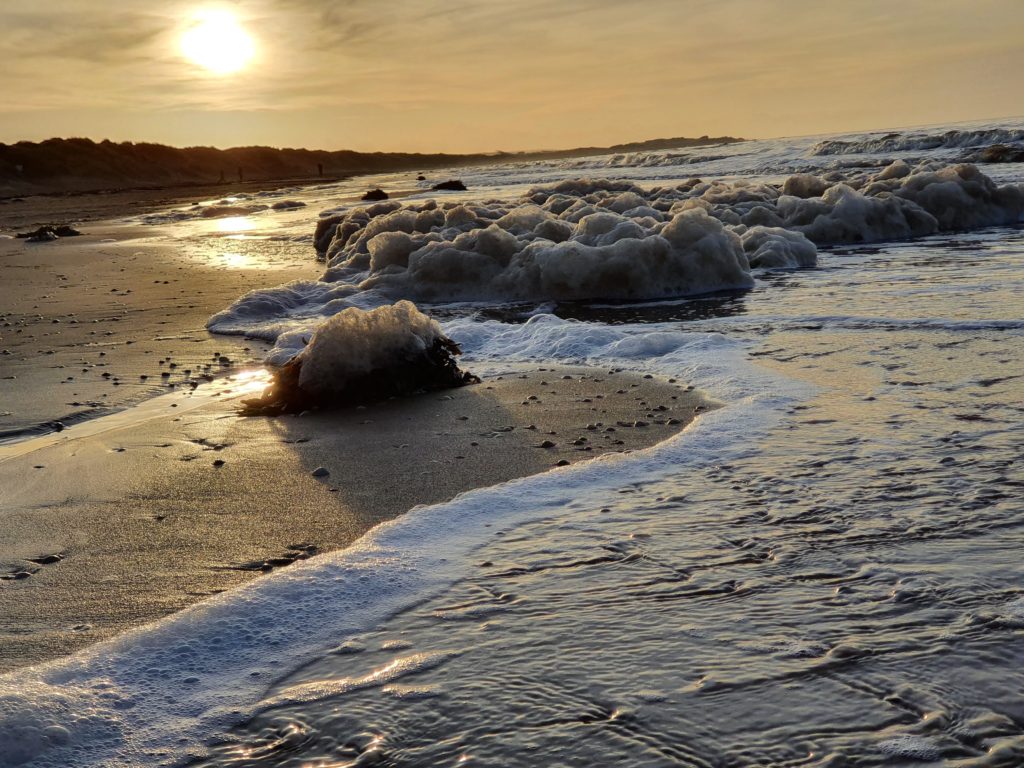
(217, 42)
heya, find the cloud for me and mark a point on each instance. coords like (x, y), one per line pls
(538, 72)
(85, 37)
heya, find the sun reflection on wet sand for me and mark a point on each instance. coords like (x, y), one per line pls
(237, 260)
(233, 224)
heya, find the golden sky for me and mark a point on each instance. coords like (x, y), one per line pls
(461, 75)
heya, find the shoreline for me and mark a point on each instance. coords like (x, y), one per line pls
(123, 526)
(17, 213)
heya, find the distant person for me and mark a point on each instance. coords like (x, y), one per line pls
(222, 179)
(320, 169)
(240, 173)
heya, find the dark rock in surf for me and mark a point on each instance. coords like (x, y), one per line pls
(375, 194)
(287, 205)
(454, 185)
(999, 153)
(49, 233)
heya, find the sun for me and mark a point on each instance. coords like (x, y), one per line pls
(217, 42)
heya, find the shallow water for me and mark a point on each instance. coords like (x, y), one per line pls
(850, 593)
(825, 572)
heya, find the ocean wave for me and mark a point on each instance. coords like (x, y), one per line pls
(911, 142)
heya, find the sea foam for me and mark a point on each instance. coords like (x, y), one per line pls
(600, 239)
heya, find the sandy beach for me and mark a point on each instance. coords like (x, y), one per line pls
(438, 384)
(123, 526)
(115, 514)
(24, 213)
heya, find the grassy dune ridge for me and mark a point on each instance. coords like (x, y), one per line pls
(80, 165)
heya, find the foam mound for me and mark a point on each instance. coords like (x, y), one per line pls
(601, 239)
(591, 239)
(360, 356)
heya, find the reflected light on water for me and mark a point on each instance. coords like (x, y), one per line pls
(247, 382)
(233, 224)
(238, 261)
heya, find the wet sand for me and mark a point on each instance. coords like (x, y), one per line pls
(86, 321)
(117, 528)
(23, 213)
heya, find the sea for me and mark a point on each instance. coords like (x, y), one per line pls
(824, 571)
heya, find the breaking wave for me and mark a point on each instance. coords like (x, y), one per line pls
(911, 142)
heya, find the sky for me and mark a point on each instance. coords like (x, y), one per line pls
(484, 75)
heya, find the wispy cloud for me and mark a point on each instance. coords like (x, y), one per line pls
(536, 71)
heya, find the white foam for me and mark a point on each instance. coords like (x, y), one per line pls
(774, 247)
(356, 342)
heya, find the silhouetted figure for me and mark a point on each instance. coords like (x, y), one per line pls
(319, 169)
(222, 179)
(240, 173)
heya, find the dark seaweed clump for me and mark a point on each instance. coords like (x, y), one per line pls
(431, 369)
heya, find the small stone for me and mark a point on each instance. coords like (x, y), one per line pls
(547, 444)
(320, 472)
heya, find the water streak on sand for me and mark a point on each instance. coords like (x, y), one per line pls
(228, 388)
